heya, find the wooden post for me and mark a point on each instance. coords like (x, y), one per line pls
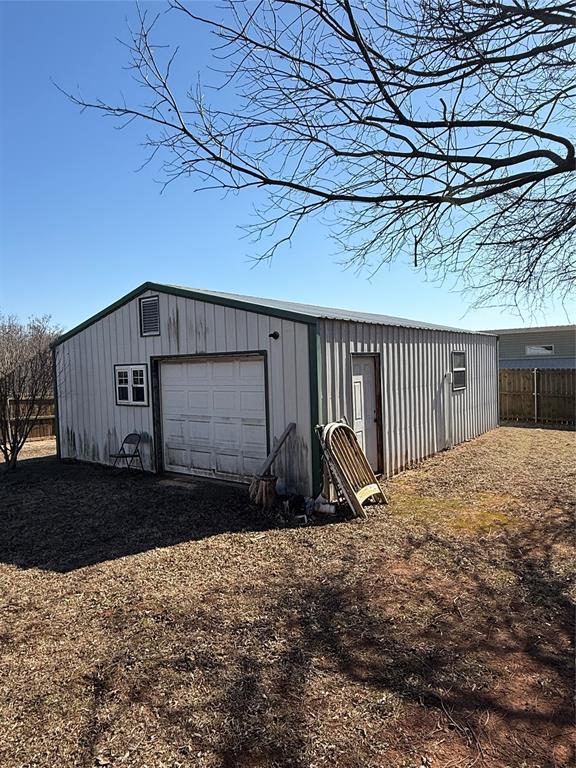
(535, 395)
(263, 486)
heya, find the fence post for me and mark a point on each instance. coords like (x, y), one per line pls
(536, 395)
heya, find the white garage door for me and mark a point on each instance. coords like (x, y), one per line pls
(214, 416)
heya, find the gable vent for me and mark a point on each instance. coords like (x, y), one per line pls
(150, 316)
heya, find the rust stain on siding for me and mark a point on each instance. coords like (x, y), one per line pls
(174, 328)
(111, 445)
(70, 447)
(200, 331)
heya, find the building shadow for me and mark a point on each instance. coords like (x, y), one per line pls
(62, 516)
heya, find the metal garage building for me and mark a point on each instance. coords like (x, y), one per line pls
(209, 379)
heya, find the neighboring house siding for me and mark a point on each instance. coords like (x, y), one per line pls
(513, 349)
(421, 415)
(91, 424)
(541, 361)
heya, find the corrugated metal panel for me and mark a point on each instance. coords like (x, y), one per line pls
(420, 414)
(92, 425)
(315, 310)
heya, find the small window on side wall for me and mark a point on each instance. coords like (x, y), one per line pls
(539, 349)
(458, 370)
(131, 382)
(150, 316)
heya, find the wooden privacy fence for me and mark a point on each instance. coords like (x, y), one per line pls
(46, 424)
(541, 395)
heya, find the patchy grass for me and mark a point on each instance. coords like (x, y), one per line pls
(152, 623)
(482, 514)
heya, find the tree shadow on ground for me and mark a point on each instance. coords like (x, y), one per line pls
(459, 645)
(60, 517)
(366, 666)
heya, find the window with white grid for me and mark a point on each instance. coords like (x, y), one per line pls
(131, 383)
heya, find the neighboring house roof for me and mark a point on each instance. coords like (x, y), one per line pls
(277, 307)
(533, 329)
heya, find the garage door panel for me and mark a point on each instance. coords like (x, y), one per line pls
(178, 457)
(229, 463)
(254, 455)
(252, 402)
(170, 376)
(214, 416)
(179, 374)
(199, 400)
(199, 371)
(249, 369)
(226, 401)
(200, 459)
(227, 434)
(254, 434)
(178, 401)
(199, 431)
(225, 370)
(173, 429)
(252, 464)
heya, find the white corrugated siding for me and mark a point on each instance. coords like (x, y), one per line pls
(417, 407)
(92, 425)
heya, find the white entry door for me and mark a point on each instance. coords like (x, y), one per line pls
(364, 405)
(214, 416)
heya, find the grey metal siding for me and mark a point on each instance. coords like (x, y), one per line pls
(92, 425)
(541, 361)
(513, 346)
(421, 415)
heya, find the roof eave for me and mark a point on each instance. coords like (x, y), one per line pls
(533, 329)
(260, 309)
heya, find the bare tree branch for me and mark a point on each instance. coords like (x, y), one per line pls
(448, 124)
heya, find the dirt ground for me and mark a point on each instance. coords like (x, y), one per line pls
(147, 622)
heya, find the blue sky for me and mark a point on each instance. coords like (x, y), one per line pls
(79, 227)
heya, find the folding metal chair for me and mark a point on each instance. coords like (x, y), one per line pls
(133, 439)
